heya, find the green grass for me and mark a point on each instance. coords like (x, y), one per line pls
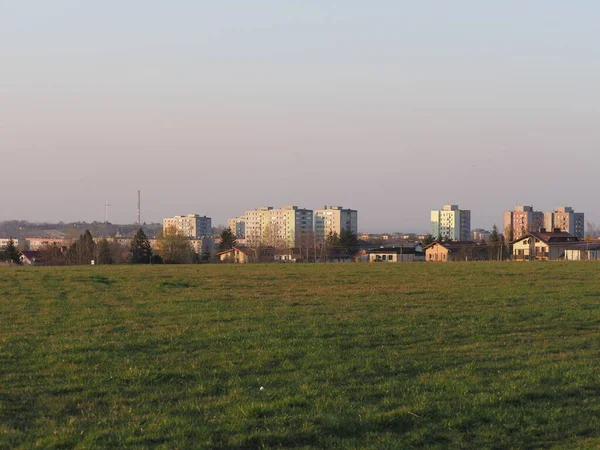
(463, 355)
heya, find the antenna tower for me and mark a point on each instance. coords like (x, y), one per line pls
(139, 220)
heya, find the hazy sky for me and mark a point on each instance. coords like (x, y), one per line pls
(214, 107)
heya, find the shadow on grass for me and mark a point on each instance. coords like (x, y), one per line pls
(18, 411)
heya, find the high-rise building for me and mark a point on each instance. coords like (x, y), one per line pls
(286, 227)
(522, 220)
(238, 226)
(451, 223)
(192, 225)
(334, 219)
(565, 218)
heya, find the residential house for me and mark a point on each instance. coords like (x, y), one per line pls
(455, 251)
(236, 255)
(30, 258)
(543, 245)
(396, 254)
(583, 251)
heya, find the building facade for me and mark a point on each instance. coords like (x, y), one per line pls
(451, 223)
(192, 225)
(522, 220)
(334, 219)
(286, 227)
(237, 226)
(4, 242)
(567, 220)
(543, 245)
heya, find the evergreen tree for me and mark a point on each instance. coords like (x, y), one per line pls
(11, 252)
(429, 239)
(104, 253)
(141, 252)
(348, 241)
(495, 244)
(87, 248)
(227, 240)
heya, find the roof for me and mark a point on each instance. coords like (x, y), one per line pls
(584, 245)
(241, 250)
(29, 254)
(550, 237)
(457, 245)
(398, 250)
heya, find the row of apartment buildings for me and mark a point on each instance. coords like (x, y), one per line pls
(454, 223)
(288, 226)
(291, 226)
(524, 219)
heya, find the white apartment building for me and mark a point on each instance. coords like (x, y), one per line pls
(284, 227)
(192, 225)
(452, 223)
(255, 224)
(4, 242)
(334, 219)
(566, 219)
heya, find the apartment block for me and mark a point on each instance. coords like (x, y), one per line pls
(566, 219)
(192, 225)
(255, 225)
(16, 243)
(289, 226)
(451, 223)
(334, 219)
(522, 220)
(238, 226)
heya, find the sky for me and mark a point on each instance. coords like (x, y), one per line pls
(390, 107)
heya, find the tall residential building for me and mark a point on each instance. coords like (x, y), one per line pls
(522, 220)
(566, 219)
(255, 223)
(288, 226)
(192, 225)
(238, 226)
(451, 223)
(334, 219)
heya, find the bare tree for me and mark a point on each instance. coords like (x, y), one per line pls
(174, 247)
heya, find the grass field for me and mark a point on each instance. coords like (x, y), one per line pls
(463, 355)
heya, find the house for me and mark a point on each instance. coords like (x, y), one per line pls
(395, 254)
(29, 257)
(244, 255)
(236, 255)
(543, 245)
(583, 251)
(455, 251)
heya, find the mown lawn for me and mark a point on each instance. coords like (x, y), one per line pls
(459, 355)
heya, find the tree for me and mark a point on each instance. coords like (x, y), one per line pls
(104, 254)
(428, 240)
(53, 255)
(348, 241)
(11, 252)
(495, 244)
(332, 240)
(140, 250)
(87, 247)
(173, 247)
(227, 240)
